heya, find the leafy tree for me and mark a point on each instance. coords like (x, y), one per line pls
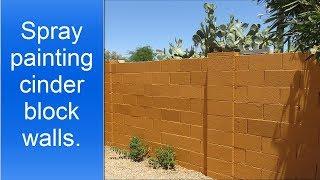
(145, 53)
(112, 55)
(295, 23)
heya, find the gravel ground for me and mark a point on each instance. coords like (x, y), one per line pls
(118, 168)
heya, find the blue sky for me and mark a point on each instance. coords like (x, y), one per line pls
(130, 24)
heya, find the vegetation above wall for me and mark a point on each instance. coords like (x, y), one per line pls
(145, 53)
(176, 52)
(233, 36)
(295, 24)
(112, 55)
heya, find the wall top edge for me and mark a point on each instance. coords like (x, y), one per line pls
(219, 54)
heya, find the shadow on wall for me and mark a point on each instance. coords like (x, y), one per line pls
(298, 146)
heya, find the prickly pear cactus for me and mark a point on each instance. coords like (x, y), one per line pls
(233, 36)
(176, 52)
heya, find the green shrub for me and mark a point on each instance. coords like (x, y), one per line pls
(123, 153)
(153, 162)
(137, 150)
(165, 158)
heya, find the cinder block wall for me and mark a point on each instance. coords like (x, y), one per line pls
(228, 116)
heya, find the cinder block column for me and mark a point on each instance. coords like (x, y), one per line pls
(220, 115)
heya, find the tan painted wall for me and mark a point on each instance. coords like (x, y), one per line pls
(260, 113)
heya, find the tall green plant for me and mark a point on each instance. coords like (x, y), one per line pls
(233, 36)
(295, 23)
(206, 36)
(306, 27)
(278, 21)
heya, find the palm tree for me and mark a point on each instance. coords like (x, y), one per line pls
(281, 14)
(291, 21)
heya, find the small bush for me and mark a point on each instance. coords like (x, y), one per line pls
(123, 153)
(137, 150)
(165, 158)
(153, 162)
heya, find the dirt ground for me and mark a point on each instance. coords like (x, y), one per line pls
(119, 168)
